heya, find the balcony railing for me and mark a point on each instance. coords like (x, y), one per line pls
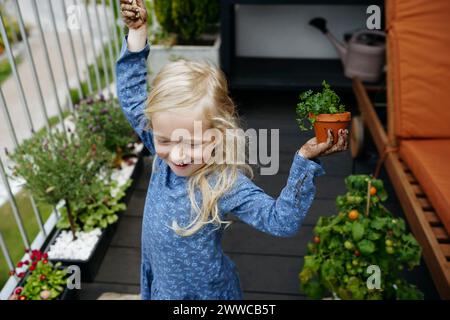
(52, 54)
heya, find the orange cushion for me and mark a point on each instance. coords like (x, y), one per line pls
(419, 67)
(429, 161)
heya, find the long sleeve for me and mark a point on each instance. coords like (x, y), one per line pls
(131, 74)
(280, 217)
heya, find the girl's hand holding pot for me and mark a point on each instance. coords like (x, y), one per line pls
(311, 149)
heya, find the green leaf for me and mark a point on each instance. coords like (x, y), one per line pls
(378, 223)
(357, 231)
(312, 262)
(366, 247)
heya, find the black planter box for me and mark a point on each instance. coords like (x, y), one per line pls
(90, 267)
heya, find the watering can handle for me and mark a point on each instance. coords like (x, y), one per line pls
(359, 32)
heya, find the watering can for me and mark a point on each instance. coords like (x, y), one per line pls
(363, 56)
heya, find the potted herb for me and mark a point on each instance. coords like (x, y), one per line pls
(42, 281)
(104, 117)
(363, 234)
(323, 110)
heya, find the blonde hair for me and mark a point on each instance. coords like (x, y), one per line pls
(185, 83)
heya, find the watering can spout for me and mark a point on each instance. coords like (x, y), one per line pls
(321, 24)
(340, 48)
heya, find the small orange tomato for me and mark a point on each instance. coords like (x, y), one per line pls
(373, 191)
(316, 239)
(353, 214)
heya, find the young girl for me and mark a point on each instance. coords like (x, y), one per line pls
(189, 194)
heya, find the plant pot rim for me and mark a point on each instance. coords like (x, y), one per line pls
(332, 117)
(215, 38)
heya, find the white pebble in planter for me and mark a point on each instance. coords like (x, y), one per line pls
(65, 248)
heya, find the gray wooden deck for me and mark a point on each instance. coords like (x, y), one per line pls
(268, 265)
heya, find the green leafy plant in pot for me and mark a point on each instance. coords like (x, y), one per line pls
(61, 166)
(323, 110)
(363, 234)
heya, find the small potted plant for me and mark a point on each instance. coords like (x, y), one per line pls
(363, 234)
(42, 281)
(323, 110)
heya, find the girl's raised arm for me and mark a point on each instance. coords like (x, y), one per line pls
(131, 70)
(280, 217)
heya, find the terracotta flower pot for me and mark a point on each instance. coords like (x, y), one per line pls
(327, 121)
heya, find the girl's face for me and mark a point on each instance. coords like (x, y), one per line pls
(177, 142)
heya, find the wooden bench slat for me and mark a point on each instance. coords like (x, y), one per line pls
(411, 178)
(440, 233)
(445, 247)
(425, 204)
(432, 218)
(418, 191)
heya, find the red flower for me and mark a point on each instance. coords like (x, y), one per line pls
(45, 255)
(20, 264)
(18, 290)
(32, 268)
(22, 298)
(45, 261)
(26, 262)
(42, 277)
(34, 264)
(21, 275)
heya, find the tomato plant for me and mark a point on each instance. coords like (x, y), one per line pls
(350, 243)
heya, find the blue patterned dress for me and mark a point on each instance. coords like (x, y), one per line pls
(195, 267)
